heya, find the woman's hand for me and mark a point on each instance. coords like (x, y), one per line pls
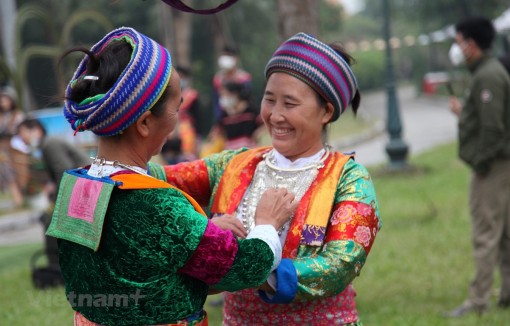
(275, 207)
(230, 222)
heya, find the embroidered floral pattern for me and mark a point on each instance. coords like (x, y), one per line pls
(362, 235)
(191, 178)
(356, 186)
(246, 308)
(356, 221)
(343, 214)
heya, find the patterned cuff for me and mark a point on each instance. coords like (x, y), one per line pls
(287, 284)
(268, 234)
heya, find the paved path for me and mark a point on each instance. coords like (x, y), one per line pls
(21, 227)
(426, 121)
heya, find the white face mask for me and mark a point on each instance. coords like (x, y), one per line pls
(228, 103)
(456, 55)
(226, 62)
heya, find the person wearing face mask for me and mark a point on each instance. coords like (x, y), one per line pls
(229, 71)
(49, 153)
(10, 117)
(25, 159)
(239, 122)
(484, 134)
(183, 142)
(47, 157)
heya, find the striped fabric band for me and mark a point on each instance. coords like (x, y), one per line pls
(318, 65)
(137, 90)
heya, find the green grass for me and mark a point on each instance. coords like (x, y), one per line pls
(421, 262)
(419, 266)
(22, 304)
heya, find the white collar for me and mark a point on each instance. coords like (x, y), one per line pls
(100, 171)
(283, 162)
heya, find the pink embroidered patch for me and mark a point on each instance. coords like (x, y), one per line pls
(84, 199)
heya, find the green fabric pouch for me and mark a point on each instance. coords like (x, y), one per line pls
(80, 209)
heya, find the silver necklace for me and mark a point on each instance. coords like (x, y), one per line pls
(268, 175)
(100, 162)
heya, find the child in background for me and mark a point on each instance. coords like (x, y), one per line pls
(239, 122)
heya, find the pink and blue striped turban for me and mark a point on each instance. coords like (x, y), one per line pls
(319, 66)
(136, 90)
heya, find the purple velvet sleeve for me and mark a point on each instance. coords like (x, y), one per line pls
(213, 257)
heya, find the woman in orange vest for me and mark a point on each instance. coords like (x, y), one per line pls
(327, 241)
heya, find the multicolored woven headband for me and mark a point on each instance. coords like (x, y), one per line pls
(137, 89)
(318, 65)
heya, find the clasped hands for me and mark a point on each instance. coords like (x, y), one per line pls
(275, 207)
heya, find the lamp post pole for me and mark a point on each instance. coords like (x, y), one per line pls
(396, 148)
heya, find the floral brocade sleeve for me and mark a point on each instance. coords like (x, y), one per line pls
(326, 271)
(200, 178)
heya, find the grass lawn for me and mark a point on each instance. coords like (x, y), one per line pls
(419, 266)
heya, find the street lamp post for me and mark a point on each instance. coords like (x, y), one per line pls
(396, 148)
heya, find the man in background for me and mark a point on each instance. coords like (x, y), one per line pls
(484, 145)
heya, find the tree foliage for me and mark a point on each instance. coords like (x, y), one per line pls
(418, 16)
(46, 28)
(251, 25)
(411, 18)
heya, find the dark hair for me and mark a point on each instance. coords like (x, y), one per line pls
(479, 29)
(12, 106)
(242, 90)
(107, 65)
(350, 60)
(183, 71)
(231, 50)
(32, 123)
(172, 145)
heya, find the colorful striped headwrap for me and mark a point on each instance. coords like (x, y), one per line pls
(319, 66)
(137, 89)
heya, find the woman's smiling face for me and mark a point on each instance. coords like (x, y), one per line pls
(294, 116)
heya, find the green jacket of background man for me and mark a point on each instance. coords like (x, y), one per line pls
(484, 124)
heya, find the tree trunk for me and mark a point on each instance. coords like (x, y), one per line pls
(177, 31)
(221, 33)
(297, 16)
